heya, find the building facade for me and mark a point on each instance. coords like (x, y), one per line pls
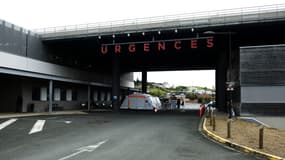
(28, 69)
(262, 79)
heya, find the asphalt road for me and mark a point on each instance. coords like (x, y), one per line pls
(110, 136)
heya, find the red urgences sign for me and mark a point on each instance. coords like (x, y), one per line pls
(158, 46)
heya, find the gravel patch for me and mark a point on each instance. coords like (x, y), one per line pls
(247, 134)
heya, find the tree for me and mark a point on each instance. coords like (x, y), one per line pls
(157, 92)
(181, 88)
(191, 96)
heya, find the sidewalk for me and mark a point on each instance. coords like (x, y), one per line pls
(272, 121)
(14, 115)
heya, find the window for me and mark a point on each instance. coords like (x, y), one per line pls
(39, 94)
(74, 95)
(102, 96)
(56, 94)
(36, 94)
(69, 95)
(44, 94)
(63, 95)
(108, 96)
(95, 96)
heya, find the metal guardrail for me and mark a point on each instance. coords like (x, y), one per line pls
(190, 19)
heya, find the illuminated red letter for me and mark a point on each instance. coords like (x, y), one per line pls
(210, 42)
(117, 48)
(104, 49)
(161, 46)
(177, 45)
(193, 43)
(146, 47)
(132, 48)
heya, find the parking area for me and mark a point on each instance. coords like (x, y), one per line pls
(104, 135)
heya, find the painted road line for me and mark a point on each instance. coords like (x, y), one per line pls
(90, 148)
(38, 126)
(7, 123)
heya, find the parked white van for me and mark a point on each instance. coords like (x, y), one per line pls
(139, 101)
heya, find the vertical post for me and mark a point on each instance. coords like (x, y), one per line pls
(27, 42)
(144, 81)
(116, 83)
(214, 123)
(50, 96)
(88, 96)
(261, 133)
(229, 128)
(230, 57)
(211, 117)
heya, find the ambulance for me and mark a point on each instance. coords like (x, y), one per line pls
(139, 101)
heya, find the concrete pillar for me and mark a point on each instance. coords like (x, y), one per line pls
(116, 83)
(88, 97)
(221, 81)
(50, 96)
(144, 81)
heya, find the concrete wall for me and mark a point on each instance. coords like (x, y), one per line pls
(12, 39)
(42, 106)
(262, 74)
(26, 63)
(263, 94)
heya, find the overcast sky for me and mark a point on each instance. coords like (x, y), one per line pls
(34, 14)
(204, 78)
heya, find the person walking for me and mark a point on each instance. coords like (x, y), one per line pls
(178, 103)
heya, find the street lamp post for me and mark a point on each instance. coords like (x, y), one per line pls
(230, 87)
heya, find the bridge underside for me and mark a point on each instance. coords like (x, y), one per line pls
(84, 52)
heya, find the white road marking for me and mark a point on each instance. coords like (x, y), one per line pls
(67, 122)
(90, 148)
(38, 126)
(7, 123)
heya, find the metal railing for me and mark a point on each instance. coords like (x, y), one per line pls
(238, 14)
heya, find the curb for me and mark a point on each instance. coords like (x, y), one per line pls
(42, 114)
(237, 146)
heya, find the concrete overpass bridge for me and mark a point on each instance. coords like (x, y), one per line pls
(204, 40)
(210, 19)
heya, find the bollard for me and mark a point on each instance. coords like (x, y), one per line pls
(211, 117)
(214, 123)
(208, 112)
(261, 132)
(229, 128)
